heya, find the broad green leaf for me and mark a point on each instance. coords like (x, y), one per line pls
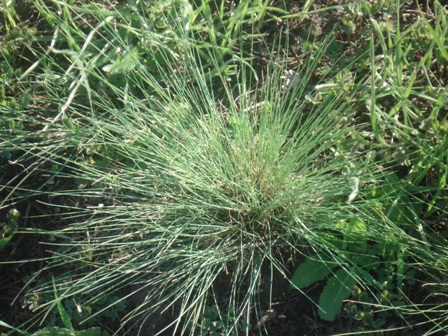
(312, 270)
(338, 288)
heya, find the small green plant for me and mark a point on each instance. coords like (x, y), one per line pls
(56, 331)
(9, 227)
(337, 288)
(214, 322)
(351, 240)
(380, 264)
(65, 318)
(77, 312)
(384, 265)
(68, 329)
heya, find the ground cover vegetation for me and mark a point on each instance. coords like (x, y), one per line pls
(223, 167)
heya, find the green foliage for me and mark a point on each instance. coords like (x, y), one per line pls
(12, 97)
(9, 228)
(78, 312)
(220, 28)
(191, 181)
(337, 289)
(215, 322)
(62, 312)
(377, 264)
(66, 319)
(56, 331)
(110, 306)
(415, 134)
(9, 15)
(183, 156)
(311, 271)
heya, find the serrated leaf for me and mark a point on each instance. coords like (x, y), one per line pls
(355, 236)
(312, 270)
(337, 289)
(123, 65)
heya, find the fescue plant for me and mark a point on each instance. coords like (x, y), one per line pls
(186, 173)
(189, 182)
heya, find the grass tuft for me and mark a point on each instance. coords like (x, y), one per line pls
(190, 185)
(187, 173)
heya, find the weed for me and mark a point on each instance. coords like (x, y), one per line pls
(9, 228)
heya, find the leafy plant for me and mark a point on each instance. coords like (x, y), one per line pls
(380, 262)
(56, 331)
(65, 318)
(214, 322)
(340, 282)
(8, 228)
(337, 289)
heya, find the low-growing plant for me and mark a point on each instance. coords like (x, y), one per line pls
(338, 287)
(56, 331)
(412, 132)
(68, 329)
(383, 264)
(214, 322)
(9, 227)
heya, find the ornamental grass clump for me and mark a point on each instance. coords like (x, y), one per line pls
(190, 191)
(184, 189)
